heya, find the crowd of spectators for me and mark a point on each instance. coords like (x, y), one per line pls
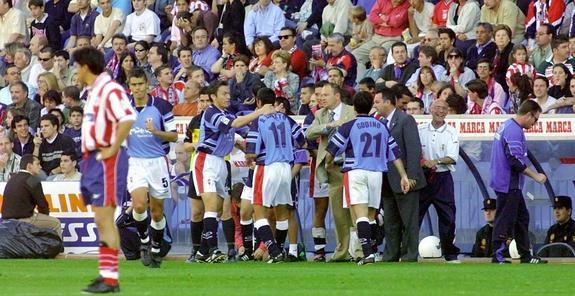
(482, 58)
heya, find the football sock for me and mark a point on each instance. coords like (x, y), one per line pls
(247, 235)
(211, 230)
(157, 234)
(373, 226)
(229, 232)
(196, 229)
(142, 226)
(364, 234)
(281, 232)
(293, 249)
(108, 264)
(319, 241)
(265, 233)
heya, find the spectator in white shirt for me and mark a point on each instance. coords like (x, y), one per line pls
(542, 97)
(142, 24)
(109, 22)
(68, 170)
(13, 24)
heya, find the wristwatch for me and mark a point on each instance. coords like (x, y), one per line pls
(439, 161)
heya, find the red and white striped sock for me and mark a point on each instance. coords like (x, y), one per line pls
(108, 265)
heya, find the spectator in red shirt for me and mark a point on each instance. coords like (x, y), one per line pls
(298, 63)
(389, 19)
(340, 58)
(440, 12)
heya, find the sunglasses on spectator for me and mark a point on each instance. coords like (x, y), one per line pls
(453, 56)
(284, 36)
(44, 60)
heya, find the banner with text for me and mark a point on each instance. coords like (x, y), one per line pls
(476, 127)
(65, 201)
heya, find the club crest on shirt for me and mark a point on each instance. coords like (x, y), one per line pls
(225, 120)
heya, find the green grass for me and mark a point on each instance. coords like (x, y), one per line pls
(67, 277)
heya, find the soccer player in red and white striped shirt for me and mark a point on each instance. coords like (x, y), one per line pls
(108, 117)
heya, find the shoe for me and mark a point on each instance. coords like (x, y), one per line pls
(246, 257)
(98, 286)
(216, 257)
(200, 258)
(277, 259)
(452, 259)
(533, 260)
(156, 260)
(192, 258)
(145, 255)
(366, 260)
(319, 258)
(232, 255)
(291, 258)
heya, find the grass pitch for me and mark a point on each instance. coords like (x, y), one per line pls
(68, 277)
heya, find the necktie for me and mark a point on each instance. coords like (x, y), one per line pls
(331, 116)
(331, 119)
(338, 159)
(385, 121)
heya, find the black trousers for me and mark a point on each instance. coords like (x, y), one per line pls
(439, 193)
(512, 221)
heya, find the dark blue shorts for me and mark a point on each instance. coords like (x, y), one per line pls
(104, 183)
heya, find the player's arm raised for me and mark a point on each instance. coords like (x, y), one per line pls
(246, 119)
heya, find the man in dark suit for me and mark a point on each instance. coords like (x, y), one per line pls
(401, 70)
(23, 193)
(401, 210)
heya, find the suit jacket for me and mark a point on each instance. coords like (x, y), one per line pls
(472, 57)
(408, 70)
(403, 128)
(318, 130)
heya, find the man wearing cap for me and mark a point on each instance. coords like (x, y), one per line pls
(564, 230)
(482, 246)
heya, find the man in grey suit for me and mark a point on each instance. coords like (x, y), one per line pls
(401, 211)
(327, 119)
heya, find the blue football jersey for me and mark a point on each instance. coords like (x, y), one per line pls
(366, 144)
(216, 132)
(141, 142)
(273, 138)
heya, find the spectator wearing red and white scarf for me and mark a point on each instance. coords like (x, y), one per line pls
(165, 89)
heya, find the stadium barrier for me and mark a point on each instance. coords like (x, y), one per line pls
(550, 142)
